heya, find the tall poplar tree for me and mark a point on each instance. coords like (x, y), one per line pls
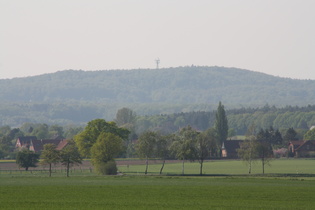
(221, 126)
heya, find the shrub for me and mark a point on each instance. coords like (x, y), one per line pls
(108, 168)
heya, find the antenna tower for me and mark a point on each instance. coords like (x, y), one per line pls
(157, 61)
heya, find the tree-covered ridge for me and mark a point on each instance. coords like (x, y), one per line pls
(185, 85)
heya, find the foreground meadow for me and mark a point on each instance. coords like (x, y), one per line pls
(155, 192)
(287, 184)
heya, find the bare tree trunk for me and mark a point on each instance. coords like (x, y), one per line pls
(201, 165)
(250, 167)
(68, 167)
(146, 167)
(183, 167)
(49, 169)
(162, 166)
(263, 163)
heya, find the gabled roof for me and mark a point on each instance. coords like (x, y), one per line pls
(26, 139)
(231, 145)
(305, 143)
(62, 144)
(298, 143)
(38, 145)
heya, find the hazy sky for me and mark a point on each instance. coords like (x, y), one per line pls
(272, 36)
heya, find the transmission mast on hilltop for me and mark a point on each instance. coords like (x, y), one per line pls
(157, 61)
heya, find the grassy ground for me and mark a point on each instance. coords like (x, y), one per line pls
(155, 192)
(216, 167)
(289, 184)
(234, 167)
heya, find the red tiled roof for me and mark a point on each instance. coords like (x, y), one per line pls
(62, 144)
(38, 145)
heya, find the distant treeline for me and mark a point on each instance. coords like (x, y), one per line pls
(239, 120)
(79, 113)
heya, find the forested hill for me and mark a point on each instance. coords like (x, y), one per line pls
(181, 85)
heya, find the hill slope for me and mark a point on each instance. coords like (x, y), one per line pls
(182, 85)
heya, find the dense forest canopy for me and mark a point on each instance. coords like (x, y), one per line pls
(76, 97)
(182, 85)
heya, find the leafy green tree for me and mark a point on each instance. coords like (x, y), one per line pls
(15, 133)
(277, 138)
(107, 146)
(163, 148)
(184, 147)
(247, 152)
(248, 149)
(55, 131)
(270, 135)
(146, 146)
(70, 132)
(125, 116)
(310, 135)
(221, 126)
(5, 130)
(264, 153)
(205, 142)
(41, 131)
(49, 156)
(88, 137)
(290, 135)
(6, 146)
(70, 156)
(231, 132)
(26, 158)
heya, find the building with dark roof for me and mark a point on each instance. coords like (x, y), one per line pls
(37, 145)
(302, 148)
(230, 147)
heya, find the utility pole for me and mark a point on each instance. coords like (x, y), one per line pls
(157, 61)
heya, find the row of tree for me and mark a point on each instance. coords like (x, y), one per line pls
(187, 145)
(68, 157)
(102, 141)
(239, 120)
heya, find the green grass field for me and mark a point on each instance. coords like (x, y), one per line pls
(288, 184)
(155, 192)
(229, 167)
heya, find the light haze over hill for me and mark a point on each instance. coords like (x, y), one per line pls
(181, 85)
(79, 96)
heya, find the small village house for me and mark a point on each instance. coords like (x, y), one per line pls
(230, 147)
(37, 145)
(302, 148)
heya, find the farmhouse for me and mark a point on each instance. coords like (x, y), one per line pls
(36, 145)
(24, 141)
(230, 147)
(302, 148)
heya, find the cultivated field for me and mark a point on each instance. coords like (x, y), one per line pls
(227, 167)
(155, 192)
(288, 184)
